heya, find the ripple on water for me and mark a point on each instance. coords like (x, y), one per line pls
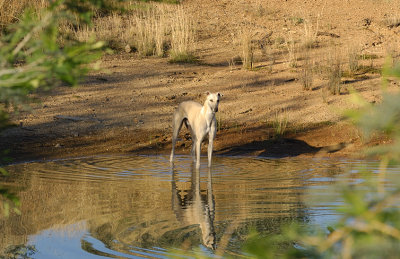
(138, 206)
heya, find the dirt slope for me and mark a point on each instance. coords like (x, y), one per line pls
(127, 106)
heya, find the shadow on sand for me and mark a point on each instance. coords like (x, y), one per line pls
(285, 147)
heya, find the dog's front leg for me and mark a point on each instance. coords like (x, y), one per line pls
(211, 136)
(193, 148)
(198, 151)
(210, 150)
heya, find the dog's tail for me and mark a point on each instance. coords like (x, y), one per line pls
(177, 122)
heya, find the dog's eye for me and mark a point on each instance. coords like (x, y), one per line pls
(211, 100)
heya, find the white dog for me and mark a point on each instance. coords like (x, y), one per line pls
(200, 120)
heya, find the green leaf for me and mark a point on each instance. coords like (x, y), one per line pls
(330, 229)
(3, 171)
(6, 209)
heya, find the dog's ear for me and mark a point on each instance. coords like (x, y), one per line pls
(207, 92)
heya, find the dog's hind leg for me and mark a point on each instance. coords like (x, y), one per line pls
(193, 135)
(177, 122)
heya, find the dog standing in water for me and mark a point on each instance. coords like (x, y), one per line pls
(200, 120)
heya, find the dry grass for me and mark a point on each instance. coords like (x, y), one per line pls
(182, 37)
(280, 123)
(160, 31)
(150, 29)
(247, 49)
(334, 72)
(392, 21)
(144, 29)
(310, 33)
(111, 29)
(353, 54)
(306, 76)
(145, 33)
(291, 47)
(392, 51)
(10, 10)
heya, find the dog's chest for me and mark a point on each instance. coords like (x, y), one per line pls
(201, 126)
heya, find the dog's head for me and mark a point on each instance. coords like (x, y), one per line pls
(213, 100)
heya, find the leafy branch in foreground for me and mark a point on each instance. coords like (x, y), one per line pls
(369, 227)
(381, 119)
(369, 221)
(32, 59)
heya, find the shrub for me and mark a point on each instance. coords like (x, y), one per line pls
(291, 47)
(310, 33)
(306, 77)
(334, 73)
(353, 55)
(247, 48)
(280, 124)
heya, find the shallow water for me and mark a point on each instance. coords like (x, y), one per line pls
(138, 206)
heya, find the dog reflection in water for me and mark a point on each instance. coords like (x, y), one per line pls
(195, 209)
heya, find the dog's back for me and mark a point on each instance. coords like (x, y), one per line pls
(189, 109)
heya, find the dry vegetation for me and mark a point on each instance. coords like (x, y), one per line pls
(161, 30)
(10, 10)
(285, 65)
(148, 29)
(247, 45)
(265, 57)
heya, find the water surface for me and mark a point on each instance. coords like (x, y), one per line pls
(138, 206)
